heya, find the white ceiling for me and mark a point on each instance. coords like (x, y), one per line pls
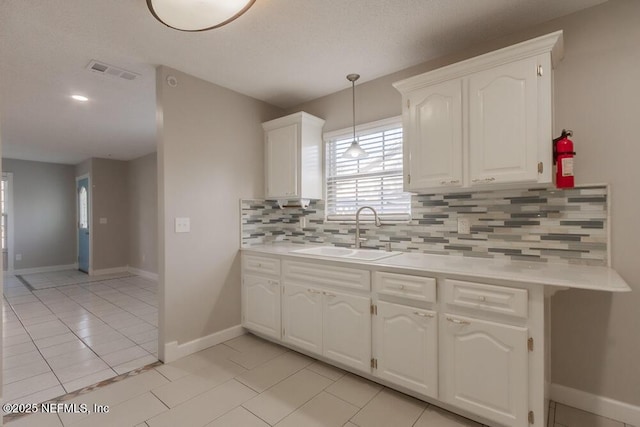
(284, 52)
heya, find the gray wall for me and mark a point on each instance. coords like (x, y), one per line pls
(143, 213)
(210, 154)
(595, 344)
(44, 213)
(109, 183)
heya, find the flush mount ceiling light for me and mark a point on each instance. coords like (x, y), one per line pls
(197, 15)
(354, 151)
(80, 98)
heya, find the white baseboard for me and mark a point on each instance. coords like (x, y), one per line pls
(143, 273)
(113, 270)
(173, 351)
(599, 405)
(47, 269)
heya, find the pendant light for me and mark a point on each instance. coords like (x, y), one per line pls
(197, 15)
(354, 151)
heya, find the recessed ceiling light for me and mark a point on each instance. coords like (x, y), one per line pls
(80, 98)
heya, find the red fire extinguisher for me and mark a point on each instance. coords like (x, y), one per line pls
(563, 159)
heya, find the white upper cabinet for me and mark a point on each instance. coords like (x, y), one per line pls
(503, 124)
(484, 122)
(282, 165)
(433, 145)
(293, 157)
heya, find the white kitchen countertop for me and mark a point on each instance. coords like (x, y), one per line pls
(548, 274)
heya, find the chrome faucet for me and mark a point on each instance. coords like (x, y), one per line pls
(376, 219)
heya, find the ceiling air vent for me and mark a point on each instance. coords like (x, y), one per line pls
(110, 70)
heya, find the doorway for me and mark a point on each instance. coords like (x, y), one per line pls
(6, 224)
(83, 204)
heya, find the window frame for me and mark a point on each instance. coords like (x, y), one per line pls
(347, 133)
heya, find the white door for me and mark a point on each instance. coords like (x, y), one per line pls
(407, 347)
(281, 162)
(302, 317)
(434, 136)
(261, 305)
(484, 369)
(503, 123)
(347, 329)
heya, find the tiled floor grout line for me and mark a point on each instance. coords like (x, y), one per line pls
(251, 412)
(82, 302)
(421, 413)
(86, 345)
(104, 299)
(56, 285)
(37, 349)
(363, 406)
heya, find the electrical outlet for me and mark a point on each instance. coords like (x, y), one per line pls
(183, 225)
(103, 220)
(464, 225)
(18, 257)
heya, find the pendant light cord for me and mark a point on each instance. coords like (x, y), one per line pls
(353, 94)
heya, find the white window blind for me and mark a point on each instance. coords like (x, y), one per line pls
(374, 181)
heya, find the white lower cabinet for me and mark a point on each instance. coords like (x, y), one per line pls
(302, 317)
(464, 343)
(406, 347)
(484, 368)
(346, 329)
(261, 305)
(334, 324)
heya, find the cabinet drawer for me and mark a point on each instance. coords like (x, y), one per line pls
(489, 298)
(325, 275)
(402, 285)
(263, 265)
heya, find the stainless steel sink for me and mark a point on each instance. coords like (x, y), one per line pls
(336, 252)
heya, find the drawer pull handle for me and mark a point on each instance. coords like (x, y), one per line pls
(313, 291)
(417, 313)
(483, 179)
(453, 181)
(483, 299)
(259, 265)
(401, 287)
(329, 295)
(458, 322)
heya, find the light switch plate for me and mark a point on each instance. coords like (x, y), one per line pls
(183, 225)
(103, 220)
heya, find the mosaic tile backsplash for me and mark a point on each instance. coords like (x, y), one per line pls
(539, 224)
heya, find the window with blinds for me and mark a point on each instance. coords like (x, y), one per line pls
(374, 181)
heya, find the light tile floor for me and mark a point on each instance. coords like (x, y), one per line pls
(248, 382)
(60, 339)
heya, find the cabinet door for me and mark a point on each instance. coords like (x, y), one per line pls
(434, 137)
(347, 329)
(261, 305)
(302, 317)
(503, 124)
(281, 162)
(484, 369)
(406, 347)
